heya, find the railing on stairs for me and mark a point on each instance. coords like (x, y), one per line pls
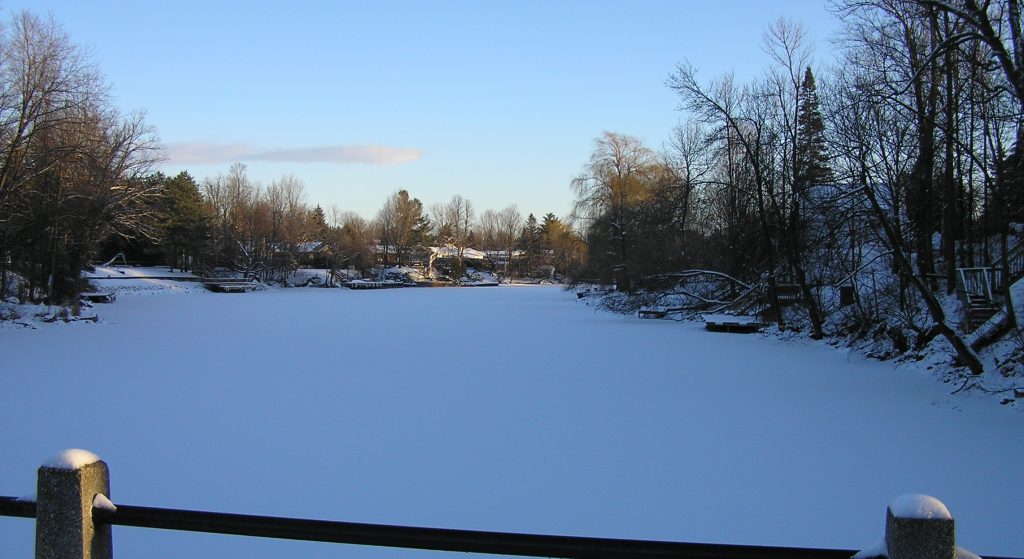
(1014, 259)
(976, 282)
(976, 295)
(980, 288)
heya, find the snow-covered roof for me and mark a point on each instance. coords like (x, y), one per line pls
(500, 254)
(453, 252)
(311, 246)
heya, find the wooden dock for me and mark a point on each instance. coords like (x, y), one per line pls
(163, 278)
(98, 296)
(229, 285)
(737, 324)
(433, 283)
(363, 284)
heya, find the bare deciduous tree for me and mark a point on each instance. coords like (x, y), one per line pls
(510, 223)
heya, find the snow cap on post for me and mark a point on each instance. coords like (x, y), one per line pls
(919, 527)
(71, 459)
(916, 505)
(66, 491)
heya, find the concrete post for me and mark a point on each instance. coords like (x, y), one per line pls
(917, 527)
(919, 532)
(67, 485)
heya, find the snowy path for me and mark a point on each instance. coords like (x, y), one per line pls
(511, 409)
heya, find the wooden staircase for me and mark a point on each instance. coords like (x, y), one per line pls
(981, 289)
(977, 308)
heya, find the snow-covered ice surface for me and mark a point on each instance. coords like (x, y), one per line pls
(511, 409)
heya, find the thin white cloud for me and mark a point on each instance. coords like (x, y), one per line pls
(200, 153)
(374, 155)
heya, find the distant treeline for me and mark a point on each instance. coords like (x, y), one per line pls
(267, 231)
(78, 182)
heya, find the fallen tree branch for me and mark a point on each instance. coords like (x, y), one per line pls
(694, 273)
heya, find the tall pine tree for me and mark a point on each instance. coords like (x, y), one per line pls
(530, 243)
(812, 151)
(184, 222)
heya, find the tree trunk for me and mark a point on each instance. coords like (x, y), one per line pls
(963, 349)
(950, 215)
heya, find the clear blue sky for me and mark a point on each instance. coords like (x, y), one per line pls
(499, 101)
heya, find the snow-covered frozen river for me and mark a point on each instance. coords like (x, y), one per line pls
(510, 409)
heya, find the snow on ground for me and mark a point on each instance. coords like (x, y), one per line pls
(509, 409)
(479, 278)
(308, 277)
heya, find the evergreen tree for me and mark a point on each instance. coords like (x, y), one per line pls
(184, 222)
(318, 223)
(812, 150)
(530, 241)
(422, 230)
(411, 224)
(548, 231)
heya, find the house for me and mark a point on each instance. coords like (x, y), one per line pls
(314, 254)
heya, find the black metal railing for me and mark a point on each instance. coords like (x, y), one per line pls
(10, 506)
(437, 539)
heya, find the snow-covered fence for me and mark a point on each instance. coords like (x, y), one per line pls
(74, 518)
(69, 488)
